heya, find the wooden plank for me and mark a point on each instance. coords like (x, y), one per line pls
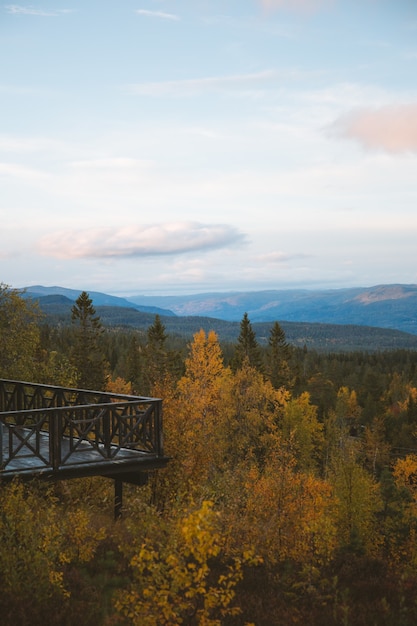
(86, 461)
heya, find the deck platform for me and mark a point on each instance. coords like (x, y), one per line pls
(58, 433)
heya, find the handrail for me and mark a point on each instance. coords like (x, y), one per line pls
(76, 431)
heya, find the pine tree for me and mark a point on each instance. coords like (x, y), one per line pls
(279, 353)
(247, 348)
(156, 355)
(133, 365)
(87, 355)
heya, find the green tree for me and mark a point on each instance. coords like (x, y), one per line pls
(133, 365)
(87, 355)
(278, 355)
(156, 354)
(19, 335)
(247, 348)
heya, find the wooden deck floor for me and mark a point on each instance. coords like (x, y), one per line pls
(30, 458)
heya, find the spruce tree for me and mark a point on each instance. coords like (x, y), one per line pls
(87, 355)
(156, 355)
(279, 353)
(133, 365)
(247, 348)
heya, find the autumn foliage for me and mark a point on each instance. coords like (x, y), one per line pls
(288, 499)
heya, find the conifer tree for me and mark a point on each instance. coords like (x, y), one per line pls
(134, 370)
(156, 355)
(279, 352)
(87, 355)
(247, 348)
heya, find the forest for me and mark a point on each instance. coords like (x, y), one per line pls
(290, 496)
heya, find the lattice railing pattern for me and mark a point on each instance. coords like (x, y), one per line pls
(60, 426)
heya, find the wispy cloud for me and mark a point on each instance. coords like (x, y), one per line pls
(14, 170)
(17, 9)
(297, 5)
(196, 85)
(10, 143)
(115, 163)
(273, 257)
(390, 128)
(139, 241)
(159, 14)
(278, 257)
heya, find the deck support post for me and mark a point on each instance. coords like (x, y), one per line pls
(118, 498)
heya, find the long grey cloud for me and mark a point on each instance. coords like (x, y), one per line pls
(158, 14)
(17, 9)
(197, 85)
(297, 5)
(142, 240)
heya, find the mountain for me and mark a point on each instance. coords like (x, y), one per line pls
(383, 306)
(60, 296)
(373, 319)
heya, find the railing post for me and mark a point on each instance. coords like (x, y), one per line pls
(55, 439)
(1, 443)
(20, 403)
(158, 428)
(106, 431)
(118, 498)
(2, 396)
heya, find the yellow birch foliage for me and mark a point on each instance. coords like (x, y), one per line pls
(288, 514)
(198, 413)
(176, 583)
(253, 409)
(119, 385)
(358, 500)
(347, 409)
(302, 429)
(30, 545)
(201, 384)
(405, 476)
(37, 541)
(82, 539)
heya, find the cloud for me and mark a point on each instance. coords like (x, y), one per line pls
(195, 85)
(391, 128)
(274, 257)
(14, 170)
(17, 9)
(277, 257)
(297, 5)
(139, 241)
(159, 14)
(9, 143)
(120, 163)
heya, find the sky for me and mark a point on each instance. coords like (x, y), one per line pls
(167, 146)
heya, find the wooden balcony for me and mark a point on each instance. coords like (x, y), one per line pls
(58, 433)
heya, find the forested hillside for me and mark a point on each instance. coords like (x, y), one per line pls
(383, 306)
(323, 337)
(290, 496)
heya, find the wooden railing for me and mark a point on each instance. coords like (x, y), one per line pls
(56, 427)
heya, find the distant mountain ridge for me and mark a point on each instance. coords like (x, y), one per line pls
(382, 306)
(37, 292)
(330, 337)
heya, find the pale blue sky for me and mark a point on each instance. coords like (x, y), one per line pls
(161, 146)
